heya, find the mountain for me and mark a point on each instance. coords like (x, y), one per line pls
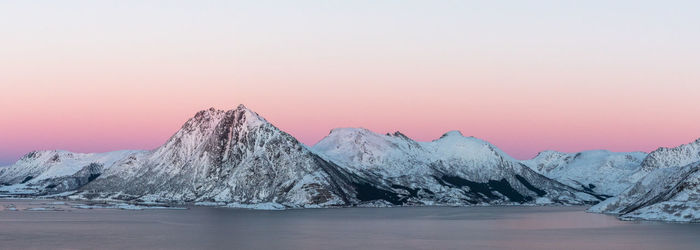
(55, 171)
(600, 171)
(669, 191)
(230, 157)
(452, 170)
(237, 158)
(670, 157)
(668, 194)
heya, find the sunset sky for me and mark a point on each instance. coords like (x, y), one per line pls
(94, 76)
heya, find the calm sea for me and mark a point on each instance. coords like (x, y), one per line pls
(346, 228)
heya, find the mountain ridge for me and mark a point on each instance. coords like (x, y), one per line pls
(452, 169)
(237, 158)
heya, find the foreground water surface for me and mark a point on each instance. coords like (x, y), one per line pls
(41, 224)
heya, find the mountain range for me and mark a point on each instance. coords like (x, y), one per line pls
(236, 158)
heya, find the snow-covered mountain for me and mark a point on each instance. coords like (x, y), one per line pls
(452, 170)
(230, 157)
(671, 157)
(55, 171)
(670, 189)
(668, 194)
(237, 158)
(600, 171)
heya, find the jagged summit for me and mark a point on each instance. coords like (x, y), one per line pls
(369, 140)
(213, 113)
(548, 154)
(39, 153)
(348, 130)
(398, 134)
(672, 157)
(455, 136)
(205, 122)
(452, 133)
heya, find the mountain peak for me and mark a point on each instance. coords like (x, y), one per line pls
(207, 113)
(398, 134)
(350, 131)
(251, 118)
(199, 128)
(214, 112)
(664, 157)
(452, 133)
(548, 153)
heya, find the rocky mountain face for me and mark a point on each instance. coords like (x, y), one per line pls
(668, 194)
(452, 170)
(669, 190)
(55, 171)
(603, 172)
(230, 157)
(672, 157)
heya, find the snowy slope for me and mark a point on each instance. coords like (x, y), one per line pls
(601, 171)
(39, 169)
(669, 190)
(229, 157)
(672, 157)
(452, 170)
(391, 155)
(668, 194)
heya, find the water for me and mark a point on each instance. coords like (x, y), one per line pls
(347, 228)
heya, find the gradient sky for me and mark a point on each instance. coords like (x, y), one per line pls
(565, 75)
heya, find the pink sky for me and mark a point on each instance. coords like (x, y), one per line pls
(519, 77)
